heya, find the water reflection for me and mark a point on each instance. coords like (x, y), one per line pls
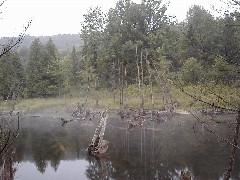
(153, 151)
(9, 126)
(99, 167)
(70, 170)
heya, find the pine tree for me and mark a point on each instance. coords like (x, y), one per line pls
(53, 69)
(36, 71)
(11, 76)
(43, 70)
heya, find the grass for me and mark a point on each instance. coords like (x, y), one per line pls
(132, 98)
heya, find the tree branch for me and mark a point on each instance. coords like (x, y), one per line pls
(14, 42)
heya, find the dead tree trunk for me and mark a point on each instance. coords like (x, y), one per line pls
(96, 91)
(142, 79)
(126, 85)
(88, 88)
(120, 83)
(98, 145)
(166, 96)
(150, 81)
(139, 79)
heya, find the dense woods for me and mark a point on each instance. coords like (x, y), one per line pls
(141, 59)
(132, 44)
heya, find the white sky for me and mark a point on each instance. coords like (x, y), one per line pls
(51, 17)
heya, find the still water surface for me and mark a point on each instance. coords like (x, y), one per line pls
(48, 151)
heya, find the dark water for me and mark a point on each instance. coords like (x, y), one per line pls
(46, 150)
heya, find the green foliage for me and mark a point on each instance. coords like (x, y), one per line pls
(53, 68)
(75, 66)
(87, 75)
(91, 34)
(115, 39)
(11, 76)
(191, 72)
(203, 35)
(230, 41)
(42, 70)
(164, 65)
(129, 36)
(35, 70)
(65, 66)
(223, 72)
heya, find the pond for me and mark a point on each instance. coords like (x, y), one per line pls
(47, 150)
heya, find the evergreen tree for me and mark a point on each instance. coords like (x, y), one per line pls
(65, 65)
(11, 76)
(42, 71)
(36, 71)
(53, 70)
(230, 44)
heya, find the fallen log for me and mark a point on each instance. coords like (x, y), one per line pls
(98, 144)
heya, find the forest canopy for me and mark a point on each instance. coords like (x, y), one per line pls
(119, 44)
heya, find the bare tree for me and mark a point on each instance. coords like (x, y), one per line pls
(8, 129)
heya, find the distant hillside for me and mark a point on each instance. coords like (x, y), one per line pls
(63, 42)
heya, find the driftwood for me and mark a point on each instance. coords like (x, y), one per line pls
(98, 144)
(136, 117)
(185, 175)
(128, 112)
(82, 113)
(134, 124)
(79, 113)
(65, 121)
(216, 111)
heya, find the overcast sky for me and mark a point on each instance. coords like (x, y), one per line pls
(51, 17)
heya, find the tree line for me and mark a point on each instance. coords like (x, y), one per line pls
(130, 42)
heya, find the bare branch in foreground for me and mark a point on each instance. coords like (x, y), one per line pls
(14, 42)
